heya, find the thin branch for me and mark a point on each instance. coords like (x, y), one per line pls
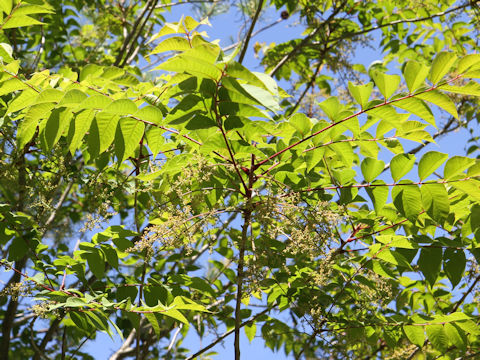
(434, 87)
(465, 294)
(81, 344)
(307, 87)
(369, 185)
(230, 47)
(396, 22)
(174, 338)
(59, 204)
(162, 6)
(250, 30)
(132, 33)
(125, 348)
(247, 215)
(131, 46)
(306, 39)
(40, 50)
(38, 352)
(220, 338)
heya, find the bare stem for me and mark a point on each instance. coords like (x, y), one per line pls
(250, 31)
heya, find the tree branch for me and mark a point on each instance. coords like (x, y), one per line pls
(132, 33)
(396, 22)
(220, 338)
(250, 30)
(306, 39)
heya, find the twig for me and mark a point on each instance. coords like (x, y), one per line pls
(247, 214)
(132, 42)
(220, 338)
(38, 353)
(250, 30)
(174, 338)
(434, 87)
(465, 294)
(125, 348)
(81, 344)
(231, 46)
(396, 22)
(306, 40)
(131, 34)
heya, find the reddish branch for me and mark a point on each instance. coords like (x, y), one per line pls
(408, 96)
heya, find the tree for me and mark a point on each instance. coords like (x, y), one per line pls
(208, 198)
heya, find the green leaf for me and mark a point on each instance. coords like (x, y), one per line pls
(98, 102)
(17, 249)
(331, 107)
(455, 335)
(437, 337)
(149, 113)
(397, 241)
(400, 165)
(378, 194)
(96, 264)
(467, 62)
(6, 53)
(24, 99)
(174, 43)
(79, 127)
(469, 327)
(190, 23)
(429, 163)
(152, 319)
(393, 257)
(131, 133)
(415, 334)
(441, 100)
(6, 6)
(122, 107)
(472, 88)
(175, 314)
(429, 263)
(72, 97)
(11, 85)
(49, 95)
(416, 107)
(387, 84)
(264, 97)
(415, 75)
(407, 199)
(90, 70)
(19, 21)
(250, 331)
(57, 122)
(28, 9)
(454, 262)
(183, 63)
(361, 93)
(236, 70)
(106, 125)
(435, 201)
(301, 122)
(75, 302)
(371, 168)
(441, 66)
(155, 140)
(29, 124)
(200, 122)
(456, 165)
(344, 151)
(470, 187)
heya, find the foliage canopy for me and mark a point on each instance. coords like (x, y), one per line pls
(207, 198)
